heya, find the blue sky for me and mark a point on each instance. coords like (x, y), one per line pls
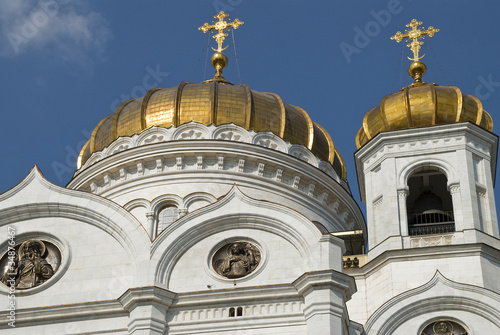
(64, 65)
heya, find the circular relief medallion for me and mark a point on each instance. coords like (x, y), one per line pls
(444, 327)
(29, 264)
(236, 260)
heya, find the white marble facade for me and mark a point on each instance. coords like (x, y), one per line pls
(120, 274)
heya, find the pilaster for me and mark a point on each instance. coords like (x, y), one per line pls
(148, 307)
(325, 294)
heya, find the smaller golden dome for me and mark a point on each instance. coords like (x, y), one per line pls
(422, 105)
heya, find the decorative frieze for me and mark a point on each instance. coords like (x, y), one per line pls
(123, 173)
(279, 174)
(260, 170)
(197, 131)
(159, 164)
(222, 313)
(140, 168)
(220, 162)
(431, 241)
(179, 162)
(107, 179)
(241, 165)
(310, 189)
(199, 162)
(227, 158)
(145, 168)
(323, 197)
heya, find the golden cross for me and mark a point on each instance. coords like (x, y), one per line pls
(220, 26)
(414, 34)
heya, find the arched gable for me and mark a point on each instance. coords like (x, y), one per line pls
(237, 216)
(36, 197)
(440, 296)
(104, 249)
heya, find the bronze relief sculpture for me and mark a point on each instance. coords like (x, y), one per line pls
(444, 327)
(236, 260)
(29, 264)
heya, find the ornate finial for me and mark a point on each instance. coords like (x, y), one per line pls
(220, 26)
(417, 69)
(219, 59)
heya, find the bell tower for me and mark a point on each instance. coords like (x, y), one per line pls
(426, 164)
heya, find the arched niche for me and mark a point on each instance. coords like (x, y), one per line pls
(429, 203)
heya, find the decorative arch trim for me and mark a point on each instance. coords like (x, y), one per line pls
(22, 202)
(441, 165)
(439, 294)
(141, 202)
(166, 200)
(196, 196)
(217, 217)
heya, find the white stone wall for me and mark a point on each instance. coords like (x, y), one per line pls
(463, 152)
(397, 272)
(114, 279)
(148, 166)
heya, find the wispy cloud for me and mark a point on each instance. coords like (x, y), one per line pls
(65, 29)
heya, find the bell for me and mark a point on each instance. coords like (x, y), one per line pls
(428, 208)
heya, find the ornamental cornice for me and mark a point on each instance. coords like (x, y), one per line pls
(422, 140)
(335, 280)
(248, 165)
(198, 131)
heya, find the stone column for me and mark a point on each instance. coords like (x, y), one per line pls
(148, 308)
(151, 225)
(457, 207)
(403, 212)
(325, 294)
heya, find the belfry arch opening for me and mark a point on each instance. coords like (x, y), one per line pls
(429, 203)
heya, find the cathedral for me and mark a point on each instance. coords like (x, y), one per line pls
(213, 208)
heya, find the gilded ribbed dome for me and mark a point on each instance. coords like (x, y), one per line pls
(214, 103)
(422, 105)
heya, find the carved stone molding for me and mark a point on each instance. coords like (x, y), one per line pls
(147, 307)
(403, 193)
(197, 131)
(378, 202)
(455, 188)
(431, 241)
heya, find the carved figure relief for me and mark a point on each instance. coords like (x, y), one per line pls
(29, 264)
(236, 259)
(444, 327)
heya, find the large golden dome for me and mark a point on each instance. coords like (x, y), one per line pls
(422, 105)
(214, 103)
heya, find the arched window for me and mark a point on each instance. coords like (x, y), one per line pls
(235, 312)
(429, 203)
(166, 216)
